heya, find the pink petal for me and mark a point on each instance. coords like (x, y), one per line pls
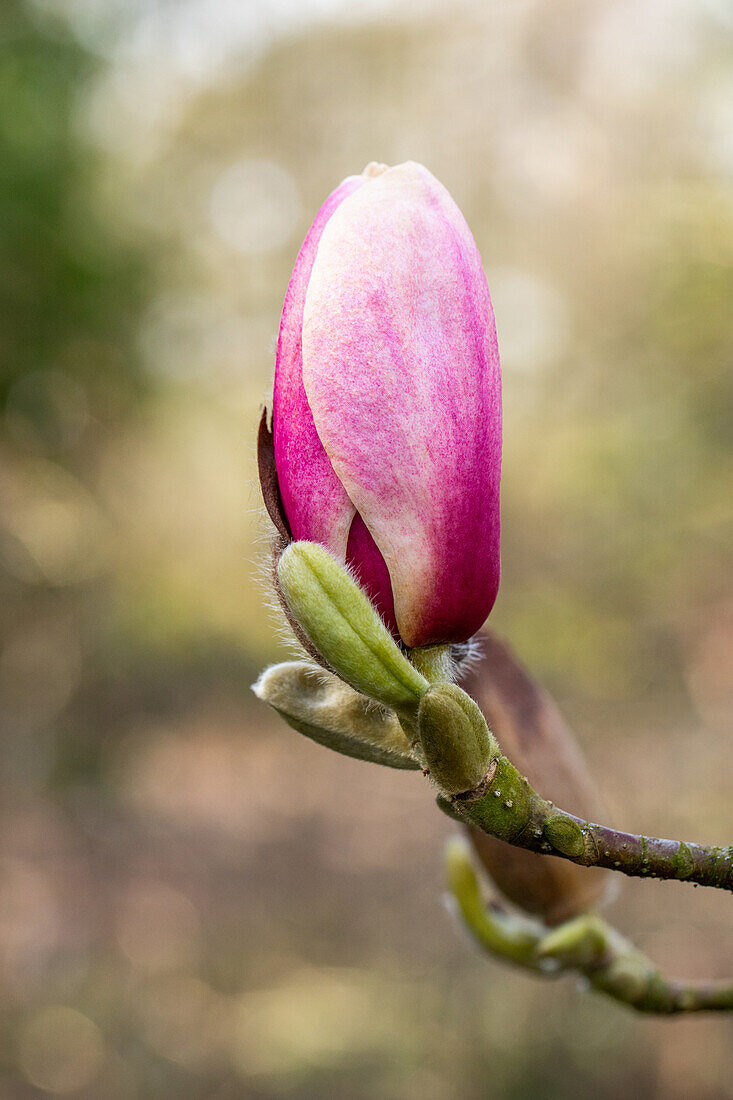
(315, 502)
(401, 371)
(371, 570)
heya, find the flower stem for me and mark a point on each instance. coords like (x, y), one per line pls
(509, 808)
(585, 945)
(434, 662)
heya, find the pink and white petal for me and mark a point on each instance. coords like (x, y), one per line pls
(401, 371)
(315, 502)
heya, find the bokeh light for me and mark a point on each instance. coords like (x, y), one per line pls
(60, 1050)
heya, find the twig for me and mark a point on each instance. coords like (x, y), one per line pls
(510, 809)
(586, 945)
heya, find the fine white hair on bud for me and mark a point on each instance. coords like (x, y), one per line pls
(329, 712)
(345, 628)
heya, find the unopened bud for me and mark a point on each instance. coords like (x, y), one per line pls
(321, 707)
(455, 739)
(388, 448)
(345, 627)
(582, 942)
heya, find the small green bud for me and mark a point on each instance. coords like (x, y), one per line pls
(321, 707)
(566, 835)
(581, 942)
(345, 627)
(456, 742)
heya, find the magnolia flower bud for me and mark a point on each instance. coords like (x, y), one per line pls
(344, 627)
(321, 707)
(455, 739)
(387, 404)
(533, 734)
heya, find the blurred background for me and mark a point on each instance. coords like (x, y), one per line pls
(195, 902)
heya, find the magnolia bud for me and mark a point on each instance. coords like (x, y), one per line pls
(456, 742)
(330, 713)
(533, 734)
(345, 627)
(387, 404)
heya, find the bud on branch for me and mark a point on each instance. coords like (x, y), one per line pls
(345, 628)
(387, 403)
(381, 476)
(456, 743)
(585, 945)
